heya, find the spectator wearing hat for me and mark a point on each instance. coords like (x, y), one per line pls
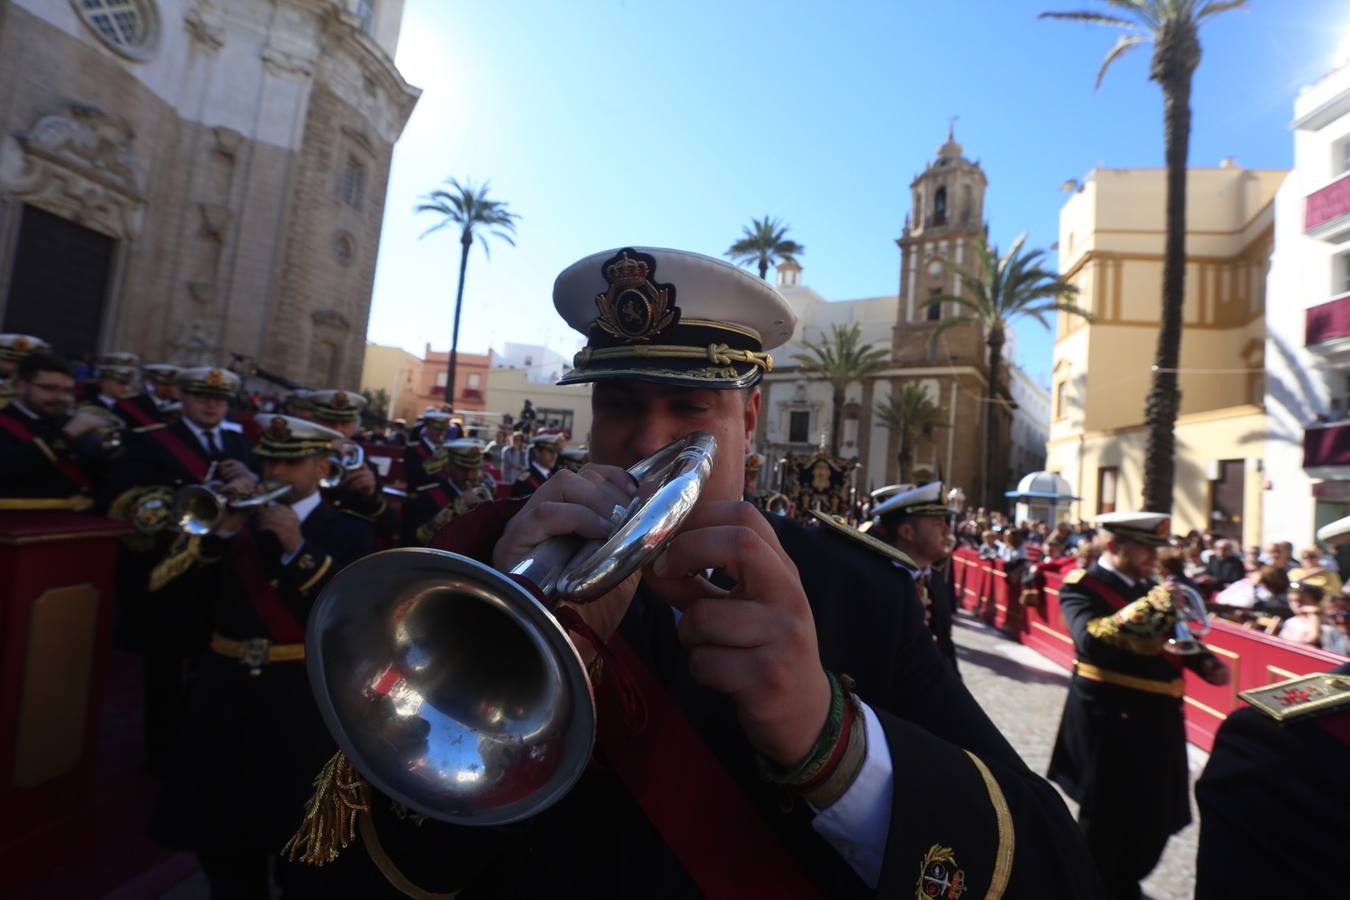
(458, 488)
(161, 575)
(915, 523)
(1312, 569)
(543, 463)
(906, 780)
(46, 454)
(1121, 748)
(13, 348)
(253, 736)
(434, 427)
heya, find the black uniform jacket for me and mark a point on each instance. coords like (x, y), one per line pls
(251, 744)
(373, 508)
(942, 611)
(530, 480)
(32, 469)
(957, 783)
(1121, 752)
(170, 619)
(414, 471)
(1274, 804)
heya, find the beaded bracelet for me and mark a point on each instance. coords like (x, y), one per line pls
(834, 758)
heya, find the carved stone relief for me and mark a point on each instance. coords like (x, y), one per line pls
(80, 165)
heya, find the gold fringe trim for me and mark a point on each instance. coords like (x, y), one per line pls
(186, 552)
(340, 796)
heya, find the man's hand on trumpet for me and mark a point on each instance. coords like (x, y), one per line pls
(282, 521)
(362, 481)
(233, 472)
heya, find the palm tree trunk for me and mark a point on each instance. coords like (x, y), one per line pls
(465, 243)
(1164, 398)
(838, 403)
(763, 268)
(995, 343)
(906, 459)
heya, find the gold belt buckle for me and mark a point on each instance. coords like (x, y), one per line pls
(255, 654)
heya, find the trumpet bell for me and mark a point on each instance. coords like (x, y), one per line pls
(1192, 623)
(450, 687)
(197, 509)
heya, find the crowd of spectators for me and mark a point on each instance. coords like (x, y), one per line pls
(1297, 598)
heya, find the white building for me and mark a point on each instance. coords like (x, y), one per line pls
(1307, 397)
(1030, 423)
(540, 364)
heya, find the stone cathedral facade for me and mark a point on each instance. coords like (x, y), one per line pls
(198, 180)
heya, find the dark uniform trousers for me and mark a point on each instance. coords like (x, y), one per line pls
(1274, 804)
(957, 782)
(1121, 752)
(253, 738)
(57, 467)
(168, 627)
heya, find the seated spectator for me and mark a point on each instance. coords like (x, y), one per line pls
(1014, 549)
(1314, 571)
(1305, 625)
(1086, 554)
(989, 549)
(1192, 560)
(1251, 561)
(1263, 589)
(1335, 610)
(1279, 554)
(1172, 565)
(1225, 567)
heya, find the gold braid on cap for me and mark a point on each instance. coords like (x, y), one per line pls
(717, 354)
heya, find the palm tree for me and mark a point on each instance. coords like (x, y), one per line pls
(1172, 26)
(841, 359)
(763, 243)
(997, 290)
(912, 416)
(469, 207)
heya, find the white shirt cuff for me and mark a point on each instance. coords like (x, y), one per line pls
(287, 557)
(858, 823)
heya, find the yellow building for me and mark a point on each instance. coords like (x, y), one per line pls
(395, 371)
(1111, 235)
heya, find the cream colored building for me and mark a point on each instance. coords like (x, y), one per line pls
(567, 405)
(1110, 242)
(394, 371)
(194, 180)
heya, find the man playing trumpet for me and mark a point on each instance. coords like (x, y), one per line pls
(859, 755)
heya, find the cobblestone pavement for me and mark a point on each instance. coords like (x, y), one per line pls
(1023, 693)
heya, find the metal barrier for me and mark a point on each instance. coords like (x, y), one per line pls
(1255, 658)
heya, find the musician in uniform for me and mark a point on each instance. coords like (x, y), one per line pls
(888, 782)
(360, 492)
(915, 522)
(1121, 747)
(543, 463)
(159, 613)
(115, 374)
(1274, 799)
(458, 488)
(13, 348)
(160, 397)
(253, 736)
(45, 452)
(434, 427)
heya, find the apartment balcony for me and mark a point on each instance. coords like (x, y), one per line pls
(1326, 328)
(1327, 211)
(1326, 451)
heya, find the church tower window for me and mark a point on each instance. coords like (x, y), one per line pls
(940, 206)
(935, 306)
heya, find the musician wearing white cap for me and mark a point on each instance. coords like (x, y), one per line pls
(252, 736)
(1121, 747)
(457, 470)
(796, 657)
(434, 427)
(914, 521)
(543, 462)
(13, 348)
(360, 492)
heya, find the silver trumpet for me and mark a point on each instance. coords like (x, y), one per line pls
(347, 457)
(198, 509)
(110, 425)
(451, 687)
(1192, 621)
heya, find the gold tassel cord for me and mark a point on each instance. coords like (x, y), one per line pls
(185, 552)
(341, 795)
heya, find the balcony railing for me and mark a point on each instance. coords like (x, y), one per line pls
(1326, 451)
(1327, 211)
(1326, 326)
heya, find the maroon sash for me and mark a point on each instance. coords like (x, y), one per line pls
(64, 464)
(267, 603)
(1106, 592)
(440, 495)
(193, 462)
(131, 411)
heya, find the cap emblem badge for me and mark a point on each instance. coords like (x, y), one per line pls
(22, 343)
(279, 430)
(215, 379)
(634, 307)
(340, 400)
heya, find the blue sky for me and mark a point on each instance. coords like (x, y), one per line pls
(672, 123)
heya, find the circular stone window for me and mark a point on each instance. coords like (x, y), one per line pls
(344, 246)
(127, 27)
